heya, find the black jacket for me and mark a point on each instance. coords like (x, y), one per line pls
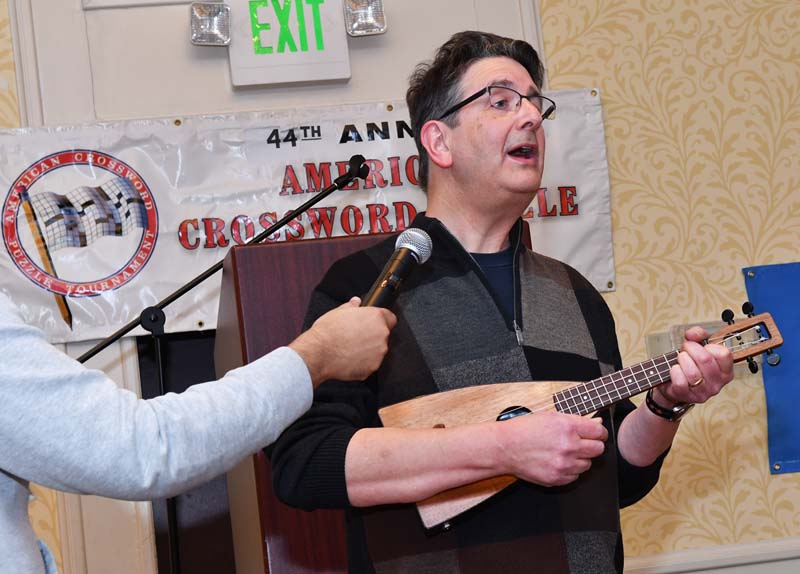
(451, 333)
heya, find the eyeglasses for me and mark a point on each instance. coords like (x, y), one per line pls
(503, 99)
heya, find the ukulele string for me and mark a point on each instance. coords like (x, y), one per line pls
(730, 341)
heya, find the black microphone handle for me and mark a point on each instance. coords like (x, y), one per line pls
(384, 291)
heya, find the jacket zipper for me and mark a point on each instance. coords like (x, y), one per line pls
(514, 276)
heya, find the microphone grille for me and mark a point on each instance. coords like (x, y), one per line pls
(417, 241)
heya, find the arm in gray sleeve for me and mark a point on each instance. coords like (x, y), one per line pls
(71, 428)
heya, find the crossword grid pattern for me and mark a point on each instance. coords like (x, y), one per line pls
(85, 214)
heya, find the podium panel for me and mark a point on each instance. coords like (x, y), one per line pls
(265, 292)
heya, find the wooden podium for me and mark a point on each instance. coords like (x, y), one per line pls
(264, 296)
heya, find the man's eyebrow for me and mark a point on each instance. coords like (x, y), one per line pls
(506, 83)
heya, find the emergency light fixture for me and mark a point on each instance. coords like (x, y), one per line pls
(211, 23)
(364, 17)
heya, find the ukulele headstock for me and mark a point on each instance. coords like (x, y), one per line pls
(749, 337)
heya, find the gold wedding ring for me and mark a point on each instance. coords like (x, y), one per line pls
(697, 383)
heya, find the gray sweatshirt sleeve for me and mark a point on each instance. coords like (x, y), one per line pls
(71, 428)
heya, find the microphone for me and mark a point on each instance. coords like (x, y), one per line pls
(356, 168)
(413, 247)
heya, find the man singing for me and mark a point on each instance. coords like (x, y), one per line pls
(484, 309)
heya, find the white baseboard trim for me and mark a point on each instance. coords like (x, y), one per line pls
(726, 556)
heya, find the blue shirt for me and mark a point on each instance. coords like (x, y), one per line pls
(499, 271)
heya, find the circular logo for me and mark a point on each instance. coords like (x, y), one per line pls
(80, 231)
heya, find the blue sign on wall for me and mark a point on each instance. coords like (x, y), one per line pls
(776, 289)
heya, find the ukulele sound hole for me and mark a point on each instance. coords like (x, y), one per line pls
(511, 412)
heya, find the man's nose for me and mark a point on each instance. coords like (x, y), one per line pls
(528, 112)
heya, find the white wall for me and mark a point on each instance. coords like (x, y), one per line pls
(80, 65)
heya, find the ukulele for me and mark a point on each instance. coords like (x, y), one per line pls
(501, 401)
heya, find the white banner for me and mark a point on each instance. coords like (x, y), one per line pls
(103, 220)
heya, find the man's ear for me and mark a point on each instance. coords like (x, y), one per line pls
(435, 137)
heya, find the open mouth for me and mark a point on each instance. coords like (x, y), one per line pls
(523, 151)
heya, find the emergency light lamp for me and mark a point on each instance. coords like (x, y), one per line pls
(364, 17)
(211, 23)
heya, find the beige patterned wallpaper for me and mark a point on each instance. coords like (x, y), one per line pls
(43, 512)
(9, 106)
(703, 130)
(702, 113)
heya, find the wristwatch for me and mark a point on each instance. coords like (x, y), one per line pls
(673, 414)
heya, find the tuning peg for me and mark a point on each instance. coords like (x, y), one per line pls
(773, 358)
(727, 316)
(747, 308)
(752, 365)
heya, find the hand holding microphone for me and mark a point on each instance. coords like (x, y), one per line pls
(347, 343)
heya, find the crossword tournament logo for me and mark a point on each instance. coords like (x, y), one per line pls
(80, 222)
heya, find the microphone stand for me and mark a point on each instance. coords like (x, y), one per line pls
(153, 319)
(357, 169)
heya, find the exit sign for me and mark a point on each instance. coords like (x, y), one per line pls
(281, 41)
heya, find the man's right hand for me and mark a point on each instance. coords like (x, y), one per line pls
(550, 449)
(346, 343)
(398, 465)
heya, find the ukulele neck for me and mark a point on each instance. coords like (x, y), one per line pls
(604, 391)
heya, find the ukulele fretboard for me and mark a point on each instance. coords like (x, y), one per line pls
(605, 391)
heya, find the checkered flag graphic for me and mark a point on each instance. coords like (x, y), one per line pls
(85, 214)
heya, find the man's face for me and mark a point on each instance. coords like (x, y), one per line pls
(498, 152)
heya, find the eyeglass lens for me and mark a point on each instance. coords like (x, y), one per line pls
(509, 100)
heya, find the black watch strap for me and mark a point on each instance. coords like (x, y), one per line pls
(673, 414)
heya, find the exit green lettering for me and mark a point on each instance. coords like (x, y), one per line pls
(291, 31)
(257, 27)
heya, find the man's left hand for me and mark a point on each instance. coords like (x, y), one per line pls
(701, 371)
